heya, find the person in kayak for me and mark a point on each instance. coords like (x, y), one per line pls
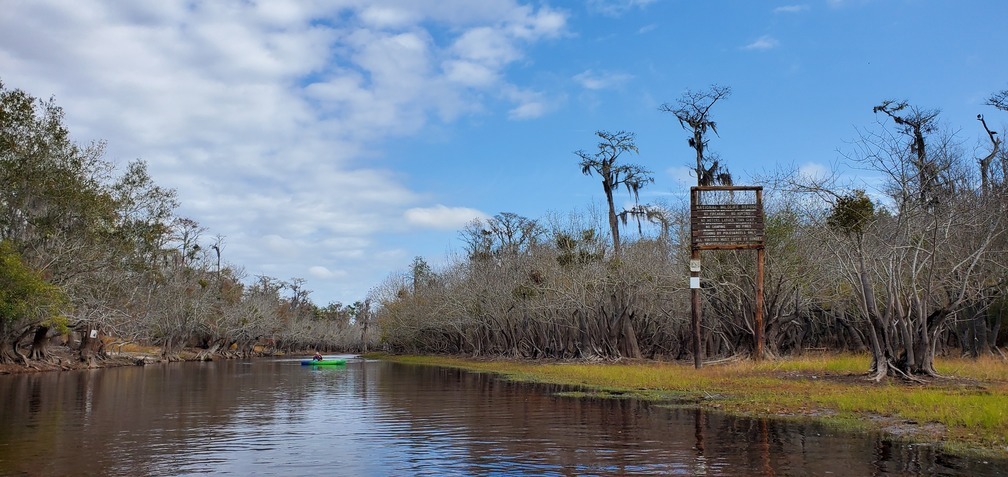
(318, 356)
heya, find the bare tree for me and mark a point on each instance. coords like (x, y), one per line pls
(917, 123)
(913, 267)
(506, 233)
(999, 100)
(985, 163)
(693, 112)
(606, 164)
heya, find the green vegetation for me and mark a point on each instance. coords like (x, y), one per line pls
(26, 301)
(969, 410)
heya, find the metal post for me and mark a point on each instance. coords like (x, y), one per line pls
(695, 300)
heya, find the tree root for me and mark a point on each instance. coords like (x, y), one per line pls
(890, 369)
(730, 359)
(906, 376)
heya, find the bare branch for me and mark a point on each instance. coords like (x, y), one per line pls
(693, 110)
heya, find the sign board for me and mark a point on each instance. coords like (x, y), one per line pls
(94, 334)
(726, 218)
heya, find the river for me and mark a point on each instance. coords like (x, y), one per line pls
(374, 418)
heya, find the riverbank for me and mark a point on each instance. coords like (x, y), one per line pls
(966, 412)
(64, 359)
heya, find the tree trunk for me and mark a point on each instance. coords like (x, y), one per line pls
(211, 349)
(91, 346)
(585, 350)
(613, 221)
(879, 336)
(632, 347)
(9, 352)
(923, 345)
(981, 345)
(857, 343)
(934, 321)
(995, 320)
(168, 349)
(910, 362)
(879, 366)
(39, 348)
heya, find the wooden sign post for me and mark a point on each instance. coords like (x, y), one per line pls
(725, 218)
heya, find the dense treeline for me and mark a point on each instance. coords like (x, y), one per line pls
(96, 257)
(905, 261)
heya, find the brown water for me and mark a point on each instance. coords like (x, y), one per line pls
(269, 417)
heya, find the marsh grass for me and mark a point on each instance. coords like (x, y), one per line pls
(986, 368)
(970, 406)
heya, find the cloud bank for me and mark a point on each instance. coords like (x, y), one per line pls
(268, 117)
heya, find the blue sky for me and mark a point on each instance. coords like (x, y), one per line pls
(336, 140)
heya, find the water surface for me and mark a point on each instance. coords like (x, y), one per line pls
(275, 417)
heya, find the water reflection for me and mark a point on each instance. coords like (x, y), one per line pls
(372, 418)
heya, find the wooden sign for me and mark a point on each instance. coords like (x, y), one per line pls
(726, 218)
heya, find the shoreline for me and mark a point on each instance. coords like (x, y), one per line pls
(963, 415)
(66, 360)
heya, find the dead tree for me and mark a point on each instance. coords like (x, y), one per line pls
(693, 112)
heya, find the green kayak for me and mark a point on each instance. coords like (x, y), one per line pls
(324, 362)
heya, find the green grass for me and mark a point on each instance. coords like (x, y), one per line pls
(972, 406)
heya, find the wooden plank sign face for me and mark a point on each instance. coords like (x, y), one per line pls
(722, 218)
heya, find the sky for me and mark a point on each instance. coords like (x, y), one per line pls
(335, 141)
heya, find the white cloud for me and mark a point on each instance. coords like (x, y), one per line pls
(764, 42)
(682, 175)
(442, 217)
(545, 23)
(487, 45)
(814, 171)
(529, 104)
(279, 246)
(528, 110)
(387, 16)
(267, 116)
(324, 273)
(470, 73)
(791, 9)
(595, 81)
(617, 7)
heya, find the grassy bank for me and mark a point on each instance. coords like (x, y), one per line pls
(967, 412)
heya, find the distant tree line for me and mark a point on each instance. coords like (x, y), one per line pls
(95, 257)
(905, 262)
